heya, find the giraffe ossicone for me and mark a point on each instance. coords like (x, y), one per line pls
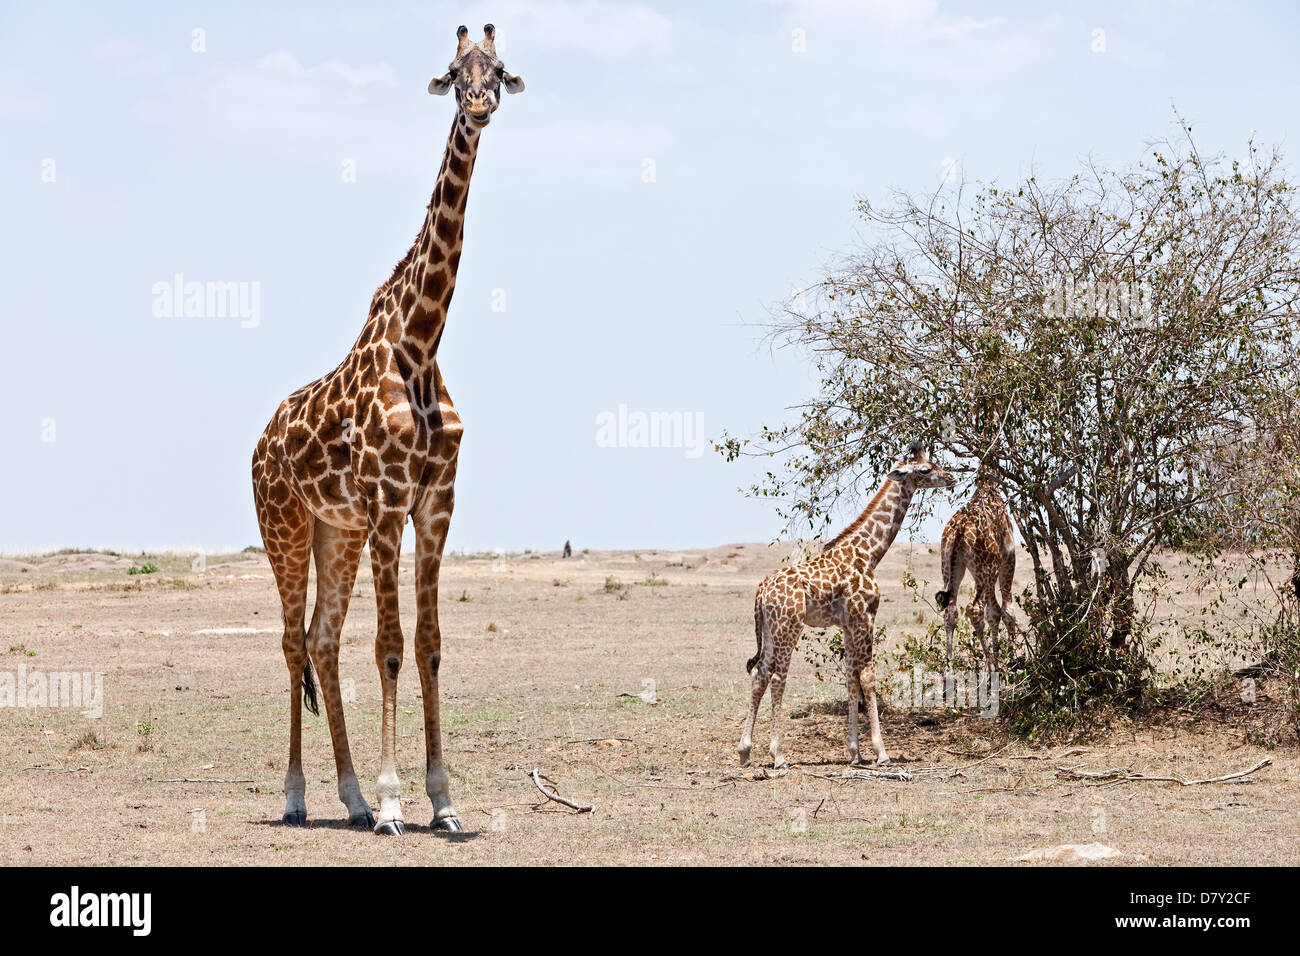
(346, 460)
(835, 589)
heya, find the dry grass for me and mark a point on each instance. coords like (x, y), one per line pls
(535, 659)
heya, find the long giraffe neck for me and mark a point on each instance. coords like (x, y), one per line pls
(871, 534)
(416, 298)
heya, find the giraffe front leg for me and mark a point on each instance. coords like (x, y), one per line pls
(853, 685)
(295, 783)
(977, 613)
(385, 552)
(431, 534)
(869, 685)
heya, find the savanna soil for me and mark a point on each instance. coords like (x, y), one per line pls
(619, 674)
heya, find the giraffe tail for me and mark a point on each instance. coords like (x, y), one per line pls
(943, 598)
(309, 689)
(758, 633)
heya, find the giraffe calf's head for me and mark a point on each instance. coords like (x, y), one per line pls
(477, 76)
(917, 470)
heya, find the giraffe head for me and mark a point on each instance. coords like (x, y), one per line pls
(916, 470)
(986, 476)
(477, 77)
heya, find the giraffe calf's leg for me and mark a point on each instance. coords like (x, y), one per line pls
(757, 689)
(853, 684)
(877, 741)
(992, 618)
(975, 614)
(762, 667)
(949, 626)
(784, 650)
(774, 748)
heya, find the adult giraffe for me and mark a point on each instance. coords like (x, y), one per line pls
(835, 589)
(346, 459)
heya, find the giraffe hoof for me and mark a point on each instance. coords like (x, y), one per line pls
(366, 820)
(886, 762)
(783, 765)
(391, 828)
(295, 818)
(449, 824)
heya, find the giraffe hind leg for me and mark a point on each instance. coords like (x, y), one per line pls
(784, 640)
(949, 603)
(761, 666)
(286, 527)
(336, 552)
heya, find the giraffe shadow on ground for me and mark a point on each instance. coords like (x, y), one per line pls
(464, 836)
(839, 762)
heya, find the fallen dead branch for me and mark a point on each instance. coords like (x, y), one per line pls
(1116, 775)
(762, 773)
(201, 780)
(538, 777)
(862, 773)
(82, 769)
(1072, 752)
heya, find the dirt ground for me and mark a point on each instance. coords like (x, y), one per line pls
(619, 674)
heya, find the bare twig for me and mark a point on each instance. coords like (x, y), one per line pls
(983, 759)
(203, 780)
(597, 740)
(538, 776)
(1115, 775)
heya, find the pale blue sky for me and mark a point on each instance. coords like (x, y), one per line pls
(227, 165)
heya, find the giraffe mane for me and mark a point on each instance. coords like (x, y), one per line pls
(861, 519)
(397, 271)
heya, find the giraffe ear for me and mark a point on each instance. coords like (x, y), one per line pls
(512, 82)
(439, 85)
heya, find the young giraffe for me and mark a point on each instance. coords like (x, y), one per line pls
(980, 537)
(835, 589)
(346, 459)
